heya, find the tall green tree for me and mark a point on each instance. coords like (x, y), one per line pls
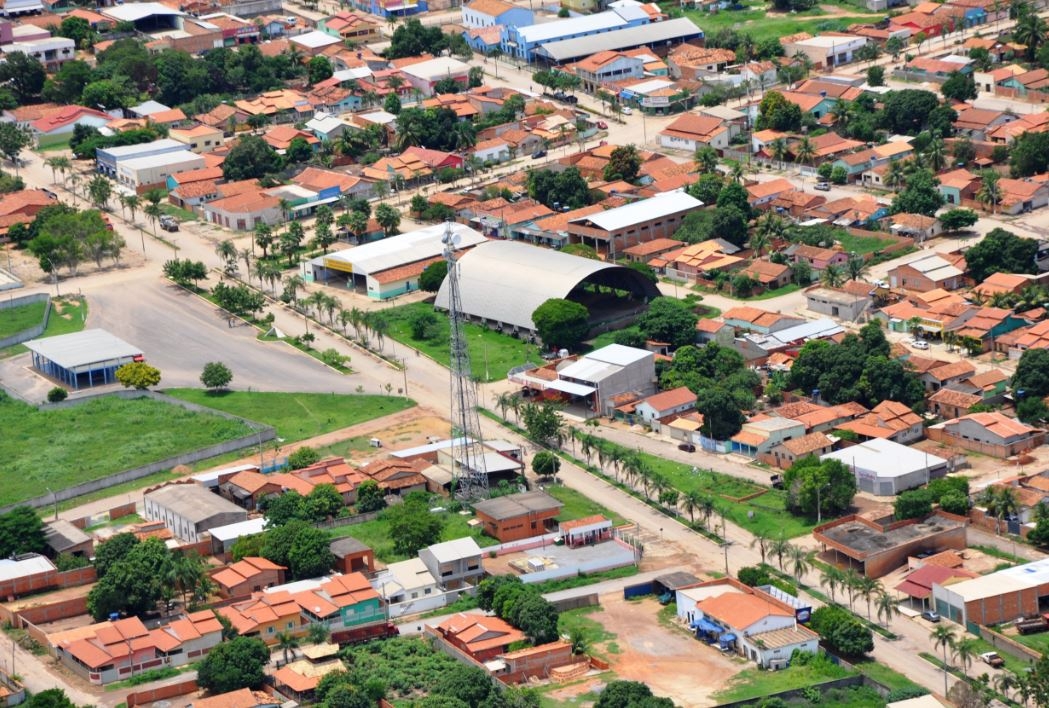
(233, 665)
(561, 323)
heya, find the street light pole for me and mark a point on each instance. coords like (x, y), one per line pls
(404, 370)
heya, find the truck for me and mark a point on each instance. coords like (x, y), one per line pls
(992, 658)
(1031, 625)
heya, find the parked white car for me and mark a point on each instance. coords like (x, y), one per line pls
(919, 344)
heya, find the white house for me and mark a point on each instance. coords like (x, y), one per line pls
(691, 132)
(667, 403)
(827, 50)
(494, 150)
(155, 169)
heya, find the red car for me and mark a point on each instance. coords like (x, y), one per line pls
(602, 125)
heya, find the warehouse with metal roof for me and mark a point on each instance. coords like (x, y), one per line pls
(392, 266)
(657, 34)
(503, 282)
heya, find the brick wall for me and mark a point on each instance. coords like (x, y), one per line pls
(1002, 608)
(50, 612)
(47, 581)
(148, 696)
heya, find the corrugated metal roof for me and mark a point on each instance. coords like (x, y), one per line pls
(402, 249)
(82, 348)
(666, 31)
(645, 210)
(572, 25)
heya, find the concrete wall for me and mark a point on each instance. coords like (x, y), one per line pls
(36, 330)
(151, 695)
(264, 433)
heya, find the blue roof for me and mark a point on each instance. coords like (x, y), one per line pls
(705, 625)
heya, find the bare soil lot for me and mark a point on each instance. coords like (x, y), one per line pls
(667, 659)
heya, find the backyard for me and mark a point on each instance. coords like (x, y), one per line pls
(491, 354)
(376, 535)
(297, 416)
(67, 315)
(15, 319)
(862, 245)
(61, 447)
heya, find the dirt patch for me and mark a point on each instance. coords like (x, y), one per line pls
(667, 659)
(409, 432)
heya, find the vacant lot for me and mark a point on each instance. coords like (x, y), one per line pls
(753, 18)
(491, 354)
(765, 513)
(376, 535)
(62, 447)
(297, 416)
(670, 661)
(15, 319)
(862, 244)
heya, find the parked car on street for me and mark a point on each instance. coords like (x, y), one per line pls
(538, 153)
(919, 344)
(169, 223)
(687, 447)
(992, 658)
(930, 616)
(627, 110)
(602, 125)
(822, 186)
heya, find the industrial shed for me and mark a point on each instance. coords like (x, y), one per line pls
(504, 282)
(88, 358)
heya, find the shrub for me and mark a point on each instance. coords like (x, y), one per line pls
(57, 395)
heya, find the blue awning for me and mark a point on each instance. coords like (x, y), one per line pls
(728, 637)
(706, 626)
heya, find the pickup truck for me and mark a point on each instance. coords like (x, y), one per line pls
(992, 658)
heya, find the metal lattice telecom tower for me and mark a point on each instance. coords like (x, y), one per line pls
(469, 475)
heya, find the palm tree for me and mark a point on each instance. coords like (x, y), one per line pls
(1030, 30)
(833, 276)
(779, 548)
(227, 251)
(964, 651)
(758, 242)
(831, 578)
(851, 584)
(1004, 682)
(245, 255)
(779, 150)
(707, 507)
(293, 284)
(936, 154)
(867, 587)
(691, 502)
(706, 159)
(1000, 502)
(153, 212)
(943, 636)
(286, 642)
(856, 266)
(763, 542)
(842, 113)
(895, 174)
(800, 561)
(131, 201)
(805, 151)
(885, 607)
(58, 164)
(317, 633)
(990, 194)
(502, 402)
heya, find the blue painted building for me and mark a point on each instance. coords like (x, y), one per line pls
(106, 159)
(521, 42)
(488, 13)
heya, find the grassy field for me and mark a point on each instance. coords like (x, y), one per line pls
(15, 319)
(297, 416)
(884, 675)
(755, 682)
(376, 535)
(861, 244)
(769, 294)
(578, 506)
(67, 315)
(765, 514)
(61, 447)
(491, 354)
(753, 19)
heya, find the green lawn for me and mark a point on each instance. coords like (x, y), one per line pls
(67, 315)
(578, 506)
(16, 319)
(578, 620)
(861, 244)
(755, 682)
(297, 416)
(1038, 642)
(491, 354)
(769, 294)
(61, 447)
(881, 673)
(755, 21)
(765, 514)
(1014, 664)
(376, 535)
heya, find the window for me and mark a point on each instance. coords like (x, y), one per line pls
(269, 630)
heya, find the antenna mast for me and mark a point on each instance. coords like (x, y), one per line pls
(469, 474)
